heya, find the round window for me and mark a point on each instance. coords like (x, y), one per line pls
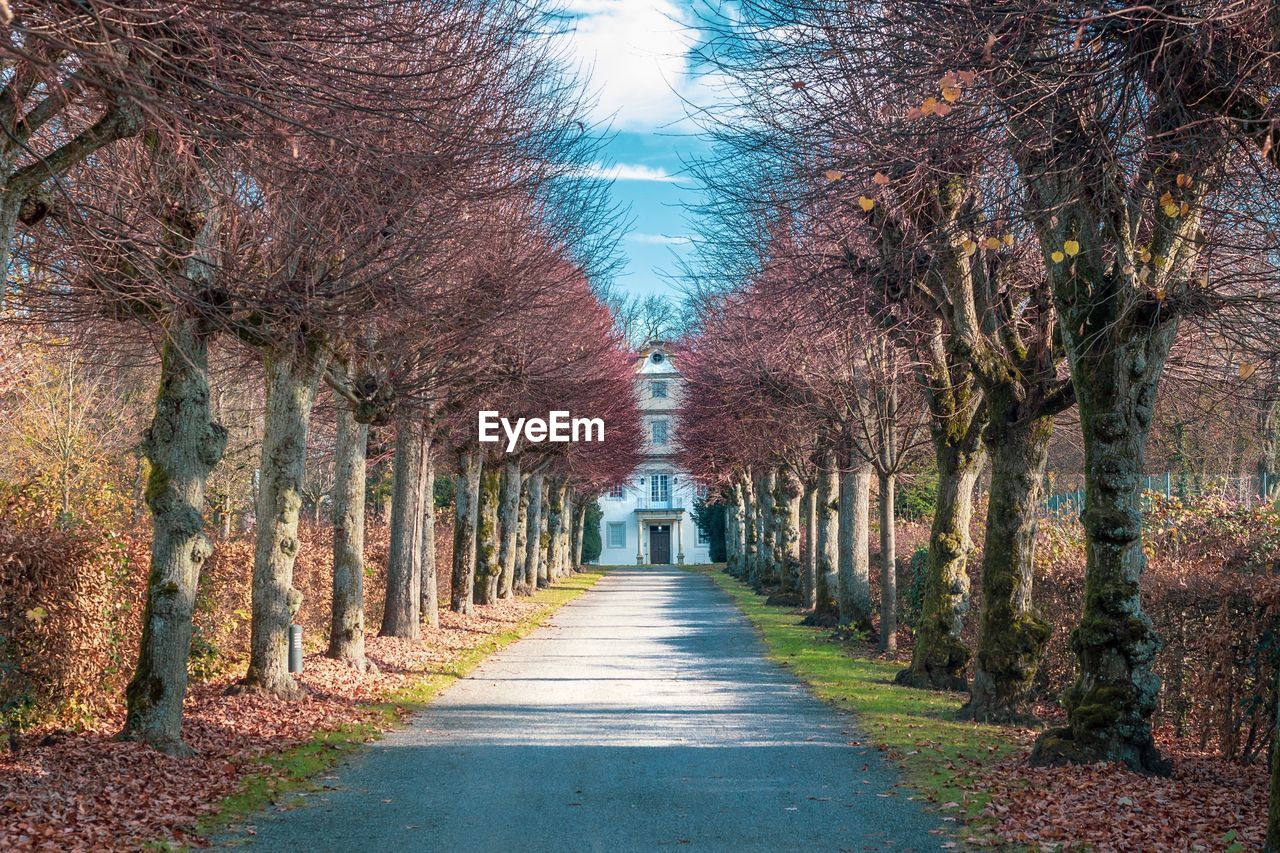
(657, 358)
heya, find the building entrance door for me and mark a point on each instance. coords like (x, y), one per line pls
(660, 543)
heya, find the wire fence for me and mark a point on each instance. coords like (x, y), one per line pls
(1246, 489)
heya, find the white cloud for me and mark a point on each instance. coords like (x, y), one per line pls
(659, 239)
(630, 172)
(637, 55)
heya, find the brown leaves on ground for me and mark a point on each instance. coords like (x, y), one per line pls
(1209, 803)
(87, 791)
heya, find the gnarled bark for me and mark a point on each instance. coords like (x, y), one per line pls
(182, 444)
(346, 631)
(292, 382)
(1110, 705)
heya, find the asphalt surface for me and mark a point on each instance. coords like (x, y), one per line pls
(643, 716)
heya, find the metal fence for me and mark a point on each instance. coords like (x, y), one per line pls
(1247, 489)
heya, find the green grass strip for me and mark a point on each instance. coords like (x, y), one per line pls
(294, 770)
(938, 754)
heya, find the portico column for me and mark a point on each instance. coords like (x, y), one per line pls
(639, 541)
(680, 541)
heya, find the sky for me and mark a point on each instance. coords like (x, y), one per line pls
(637, 56)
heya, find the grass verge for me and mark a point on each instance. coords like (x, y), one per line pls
(295, 770)
(939, 755)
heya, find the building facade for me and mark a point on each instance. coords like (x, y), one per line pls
(649, 519)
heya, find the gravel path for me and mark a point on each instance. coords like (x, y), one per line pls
(643, 716)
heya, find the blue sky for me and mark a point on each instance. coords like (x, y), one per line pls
(637, 55)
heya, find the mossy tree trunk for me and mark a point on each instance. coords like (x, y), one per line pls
(519, 583)
(466, 522)
(854, 580)
(888, 565)
(400, 613)
(1011, 637)
(182, 444)
(488, 570)
(509, 526)
(292, 382)
(1110, 705)
(827, 533)
(940, 657)
(533, 532)
(346, 627)
(429, 578)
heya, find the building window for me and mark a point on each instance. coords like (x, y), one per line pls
(659, 432)
(704, 538)
(660, 488)
(658, 389)
(617, 534)
(618, 492)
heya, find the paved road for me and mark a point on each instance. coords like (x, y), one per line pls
(644, 716)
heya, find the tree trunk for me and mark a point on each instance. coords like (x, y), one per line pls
(467, 502)
(749, 528)
(1110, 705)
(555, 522)
(509, 522)
(346, 631)
(1011, 637)
(766, 572)
(400, 615)
(808, 549)
(544, 536)
(488, 569)
(522, 536)
(888, 567)
(854, 582)
(827, 553)
(183, 445)
(532, 533)
(786, 514)
(291, 390)
(579, 525)
(940, 656)
(429, 574)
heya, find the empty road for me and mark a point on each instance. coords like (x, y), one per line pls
(643, 716)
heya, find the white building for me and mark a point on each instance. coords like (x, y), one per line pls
(650, 519)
